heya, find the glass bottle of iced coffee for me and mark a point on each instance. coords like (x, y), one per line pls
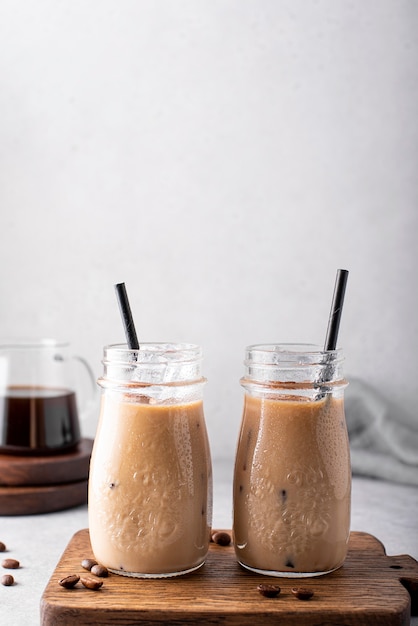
(150, 485)
(292, 479)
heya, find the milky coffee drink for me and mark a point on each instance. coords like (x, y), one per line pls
(292, 481)
(150, 497)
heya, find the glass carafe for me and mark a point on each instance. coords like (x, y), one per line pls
(43, 391)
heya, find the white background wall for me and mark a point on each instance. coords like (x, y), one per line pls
(223, 158)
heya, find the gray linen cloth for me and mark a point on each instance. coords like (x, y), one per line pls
(382, 445)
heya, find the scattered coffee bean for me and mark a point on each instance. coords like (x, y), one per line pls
(7, 580)
(269, 591)
(69, 581)
(302, 593)
(2, 547)
(88, 563)
(91, 583)
(221, 538)
(10, 564)
(99, 570)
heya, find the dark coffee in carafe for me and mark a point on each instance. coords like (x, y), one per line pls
(38, 420)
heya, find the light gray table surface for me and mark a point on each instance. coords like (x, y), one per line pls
(386, 510)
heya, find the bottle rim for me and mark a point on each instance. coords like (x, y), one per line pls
(152, 352)
(290, 354)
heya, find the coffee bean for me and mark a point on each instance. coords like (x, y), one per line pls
(69, 581)
(91, 583)
(88, 563)
(221, 538)
(269, 591)
(99, 570)
(2, 547)
(302, 593)
(7, 580)
(10, 564)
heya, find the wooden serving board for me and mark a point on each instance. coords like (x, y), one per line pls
(19, 470)
(370, 589)
(32, 500)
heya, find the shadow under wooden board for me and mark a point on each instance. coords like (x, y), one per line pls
(370, 589)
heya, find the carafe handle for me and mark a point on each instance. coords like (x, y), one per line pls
(92, 394)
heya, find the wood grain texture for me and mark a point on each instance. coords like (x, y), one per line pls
(32, 500)
(365, 591)
(20, 470)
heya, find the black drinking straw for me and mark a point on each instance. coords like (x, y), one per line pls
(128, 322)
(336, 310)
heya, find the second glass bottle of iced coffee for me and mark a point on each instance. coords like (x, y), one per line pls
(292, 480)
(150, 486)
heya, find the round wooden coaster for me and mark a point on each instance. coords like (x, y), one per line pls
(46, 470)
(42, 499)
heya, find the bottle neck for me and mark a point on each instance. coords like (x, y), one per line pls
(293, 370)
(163, 372)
